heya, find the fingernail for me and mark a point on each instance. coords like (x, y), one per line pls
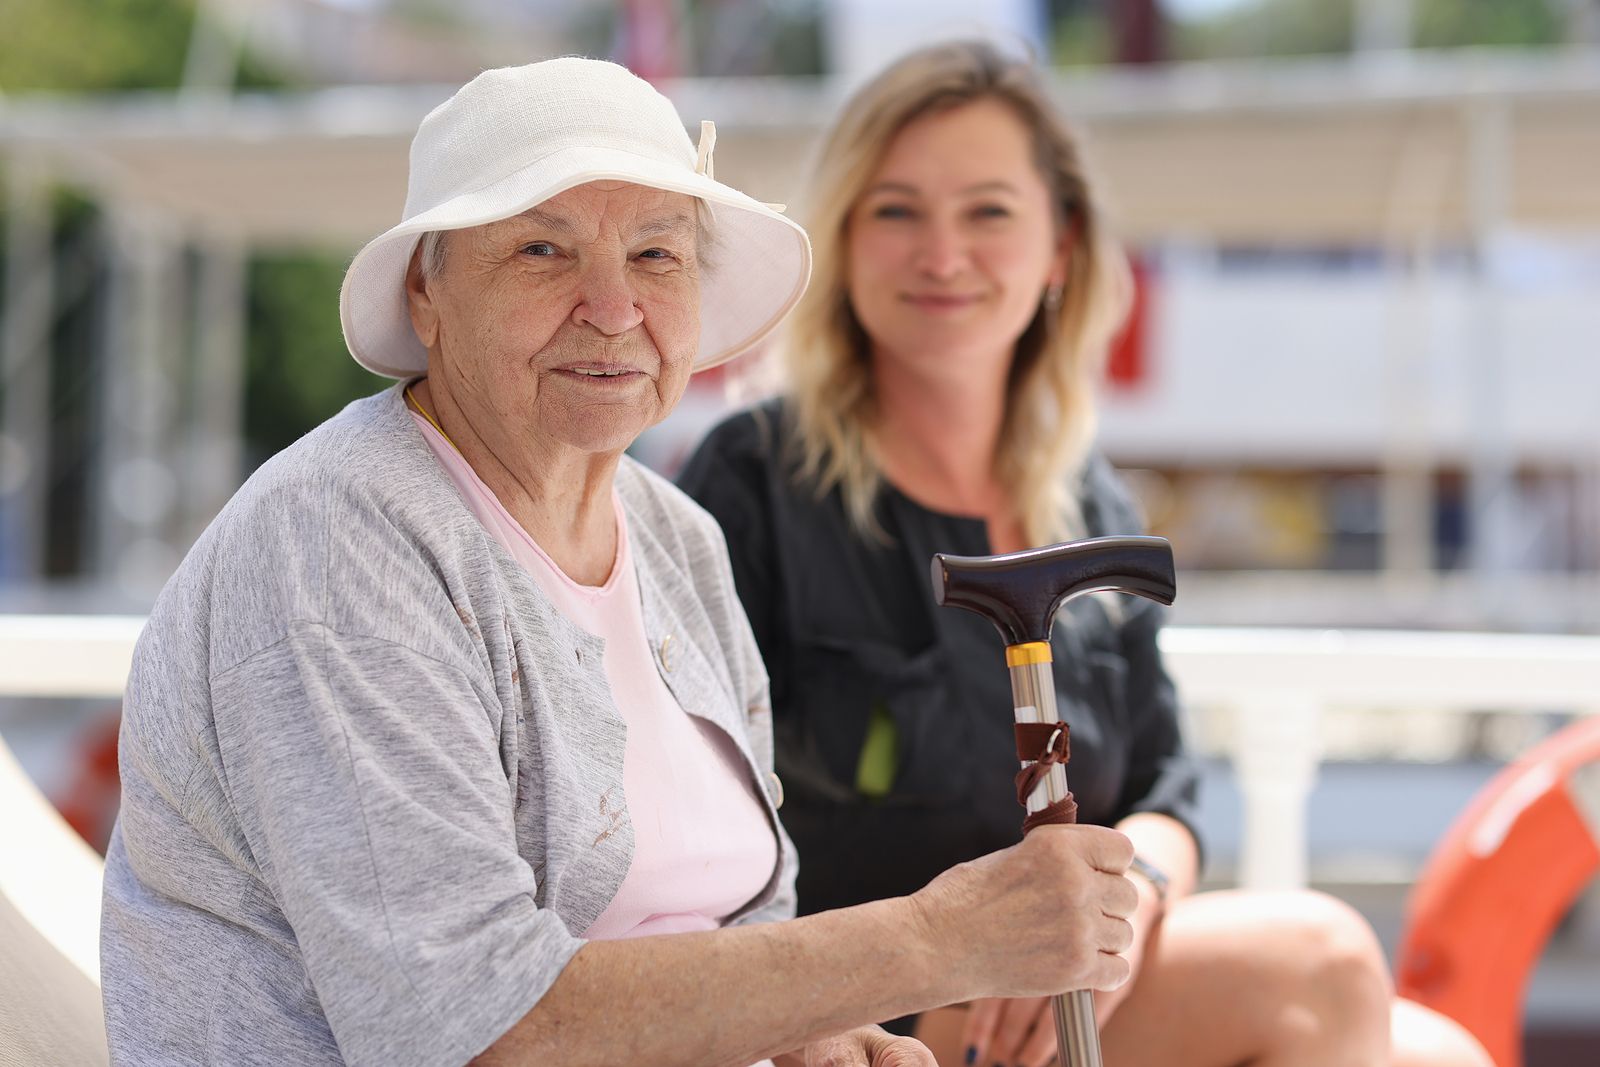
(972, 1055)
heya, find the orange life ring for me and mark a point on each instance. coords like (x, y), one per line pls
(1497, 885)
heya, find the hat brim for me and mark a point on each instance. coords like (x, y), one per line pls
(758, 267)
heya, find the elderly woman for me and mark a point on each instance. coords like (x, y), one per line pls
(941, 399)
(452, 713)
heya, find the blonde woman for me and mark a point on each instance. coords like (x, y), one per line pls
(941, 375)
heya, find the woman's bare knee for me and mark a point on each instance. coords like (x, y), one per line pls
(1262, 978)
(1334, 1003)
(1425, 1038)
(1344, 939)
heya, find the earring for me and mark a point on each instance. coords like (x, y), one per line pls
(1052, 298)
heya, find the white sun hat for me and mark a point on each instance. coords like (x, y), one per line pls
(513, 138)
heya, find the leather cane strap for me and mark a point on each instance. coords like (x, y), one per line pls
(1046, 744)
(1032, 737)
(1064, 810)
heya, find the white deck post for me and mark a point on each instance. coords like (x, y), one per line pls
(214, 450)
(1276, 751)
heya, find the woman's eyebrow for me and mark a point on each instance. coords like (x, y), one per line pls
(893, 187)
(905, 189)
(547, 220)
(995, 186)
(668, 225)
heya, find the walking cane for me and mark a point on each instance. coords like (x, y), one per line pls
(1020, 593)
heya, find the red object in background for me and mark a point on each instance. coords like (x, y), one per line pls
(1129, 363)
(647, 39)
(1138, 31)
(94, 787)
(1139, 38)
(710, 378)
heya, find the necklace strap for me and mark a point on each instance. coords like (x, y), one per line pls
(429, 416)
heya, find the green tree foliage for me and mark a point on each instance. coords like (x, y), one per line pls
(1313, 27)
(1456, 23)
(1080, 34)
(1269, 28)
(298, 372)
(92, 45)
(101, 46)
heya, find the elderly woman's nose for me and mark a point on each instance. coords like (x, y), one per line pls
(606, 301)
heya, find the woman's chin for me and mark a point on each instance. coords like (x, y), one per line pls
(949, 344)
(600, 428)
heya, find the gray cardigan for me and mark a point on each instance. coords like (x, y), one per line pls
(372, 780)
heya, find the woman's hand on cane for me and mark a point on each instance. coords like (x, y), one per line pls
(868, 1046)
(1021, 1030)
(1145, 920)
(1044, 916)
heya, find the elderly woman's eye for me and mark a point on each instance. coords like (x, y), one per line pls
(663, 256)
(539, 248)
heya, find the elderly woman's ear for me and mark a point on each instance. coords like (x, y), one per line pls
(419, 301)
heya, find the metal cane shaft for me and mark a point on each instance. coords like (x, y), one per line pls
(1020, 592)
(1033, 696)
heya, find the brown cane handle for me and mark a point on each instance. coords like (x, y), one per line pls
(1020, 591)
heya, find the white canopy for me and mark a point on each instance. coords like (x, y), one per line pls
(1404, 152)
(1429, 147)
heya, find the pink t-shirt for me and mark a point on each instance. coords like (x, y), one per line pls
(702, 843)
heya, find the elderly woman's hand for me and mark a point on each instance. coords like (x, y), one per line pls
(868, 1046)
(1022, 1030)
(1045, 916)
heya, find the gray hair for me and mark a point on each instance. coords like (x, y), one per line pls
(432, 261)
(432, 242)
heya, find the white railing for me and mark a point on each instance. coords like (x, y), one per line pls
(1276, 684)
(66, 655)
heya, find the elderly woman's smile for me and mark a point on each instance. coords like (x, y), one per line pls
(575, 321)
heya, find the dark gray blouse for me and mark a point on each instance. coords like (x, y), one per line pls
(859, 654)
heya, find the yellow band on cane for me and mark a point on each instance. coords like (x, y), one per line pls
(1028, 652)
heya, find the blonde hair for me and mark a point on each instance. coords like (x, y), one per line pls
(1049, 424)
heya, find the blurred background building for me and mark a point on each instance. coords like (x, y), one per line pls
(1361, 388)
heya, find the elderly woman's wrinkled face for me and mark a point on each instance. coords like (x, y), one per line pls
(575, 322)
(953, 242)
